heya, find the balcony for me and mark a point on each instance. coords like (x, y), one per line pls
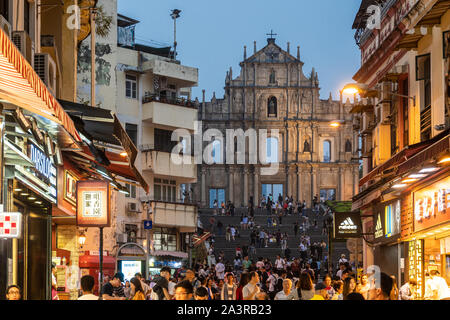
(169, 112)
(159, 163)
(170, 214)
(183, 75)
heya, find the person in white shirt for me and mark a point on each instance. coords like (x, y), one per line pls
(272, 280)
(87, 286)
(220, 270)
(279, 263)
(440, 288)
(251, 289)
(286, 293)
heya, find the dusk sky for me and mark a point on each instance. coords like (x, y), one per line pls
(211, 35)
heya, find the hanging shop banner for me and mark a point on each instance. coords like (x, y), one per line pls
(93, 204)
(10, 225)
(347, 225)
(70, 187)
(387, 220)
(432, 205)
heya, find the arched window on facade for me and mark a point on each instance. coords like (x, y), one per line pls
(326, 151)
(216, 152)
(272, 107)
(272, 150)
(348, 146)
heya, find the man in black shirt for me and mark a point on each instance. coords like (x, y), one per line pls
(161, 287)
(108, 290)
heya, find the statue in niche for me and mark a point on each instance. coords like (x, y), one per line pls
(306, 146)
(272, 77)
(272, 107)
(348, 146)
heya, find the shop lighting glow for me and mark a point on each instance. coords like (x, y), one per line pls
(17, 190)
(428, 170)
(417, 176)
(31, 198)
(444, 160)
(409, 180)
(124, 154)
(25, 194)
(399, 185)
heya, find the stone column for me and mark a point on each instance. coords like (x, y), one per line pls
(315, 183)
(316, 144)
(256, 184)
(231, 184)
(355, 180)
(203, 186)
(237, 196)
(299, 183)
(246, 197)
(341, 180)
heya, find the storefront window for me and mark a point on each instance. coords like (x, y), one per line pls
(165, 239)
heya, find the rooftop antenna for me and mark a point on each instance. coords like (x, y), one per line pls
(175, 15)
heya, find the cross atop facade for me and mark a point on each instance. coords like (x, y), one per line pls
(271, 34)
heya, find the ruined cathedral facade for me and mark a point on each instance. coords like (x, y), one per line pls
(272, 92)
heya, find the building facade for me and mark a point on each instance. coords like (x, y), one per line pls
(404, 125)
(272, 93)
(149, 91)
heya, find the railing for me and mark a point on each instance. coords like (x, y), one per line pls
(150, 97)
(186, 201)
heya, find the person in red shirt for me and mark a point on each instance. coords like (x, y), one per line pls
(242, 283)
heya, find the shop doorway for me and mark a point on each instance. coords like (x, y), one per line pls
(131, 258)
(274, 189)
(216, 194)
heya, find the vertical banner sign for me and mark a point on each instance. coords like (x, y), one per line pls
(93, 204)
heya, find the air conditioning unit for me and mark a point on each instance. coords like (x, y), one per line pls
(5, 26)
(132, 207)
(24, 43)
(121, 238)
(45, 67)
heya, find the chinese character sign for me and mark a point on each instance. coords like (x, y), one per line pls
(10, 225)
(93, 204)
(432, 205)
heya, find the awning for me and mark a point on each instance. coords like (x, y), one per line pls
(176, 254)
(21, 86)
(400, 157)
(102, 126)
(421, 158)
(360, 108)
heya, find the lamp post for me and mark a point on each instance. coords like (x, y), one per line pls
(364, 91)
(175, 15)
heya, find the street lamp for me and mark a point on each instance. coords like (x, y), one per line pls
(175, 15)
(364, 91)
(82, 238)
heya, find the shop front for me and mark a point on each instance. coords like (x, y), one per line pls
(429, 244)
(172, 259)
(90, 265)
(131, 259)
(388, 251)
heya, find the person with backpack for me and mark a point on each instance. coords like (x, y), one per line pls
(272, 281)
(161, 287)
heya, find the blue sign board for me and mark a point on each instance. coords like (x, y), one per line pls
(148, 224)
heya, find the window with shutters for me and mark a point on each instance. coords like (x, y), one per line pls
(423, 74)
(131, 86)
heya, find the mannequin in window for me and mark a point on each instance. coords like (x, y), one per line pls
(348, 146)
(272, 107)
(272, 76)
(306, 147)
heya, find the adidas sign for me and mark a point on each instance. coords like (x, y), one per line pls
(379, 228)
(347, 226)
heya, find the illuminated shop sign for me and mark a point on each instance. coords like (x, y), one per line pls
(432, 205)
(415, 265)
(10, 225)
(379, 227)
(93, 199)
(42, 163)
(392, 219)
(347, 225)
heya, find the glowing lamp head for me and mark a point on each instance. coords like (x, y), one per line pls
(335, 124)
(124, 154)
(82, 239)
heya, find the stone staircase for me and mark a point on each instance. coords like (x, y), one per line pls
(209, 221)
